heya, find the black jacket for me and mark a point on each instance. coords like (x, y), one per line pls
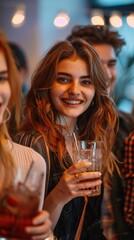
(71, 213)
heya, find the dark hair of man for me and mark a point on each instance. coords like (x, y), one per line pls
(19, 56)
(98, 35)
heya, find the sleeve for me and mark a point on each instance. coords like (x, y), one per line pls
(128, 171)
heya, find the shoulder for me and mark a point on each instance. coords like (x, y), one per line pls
(126, 116)
(26, 155)
(126, 119)
(129, 150)
(25, 138)
(32, 139)
(130, 138)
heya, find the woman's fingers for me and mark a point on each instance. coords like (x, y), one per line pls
(84, 184)
(87, 175)
(78, 181)
(41, 217)
(77, 167)
(41, 227)
(79, 170)
(79, 176)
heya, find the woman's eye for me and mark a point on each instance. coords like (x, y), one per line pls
(86, 82)
(3, 78)
(62, 80)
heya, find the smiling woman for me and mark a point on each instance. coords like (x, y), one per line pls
(73, 90)
(69, 94)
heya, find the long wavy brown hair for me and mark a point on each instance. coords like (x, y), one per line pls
(7, 164)
(98, 122)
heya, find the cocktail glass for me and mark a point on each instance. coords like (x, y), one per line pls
(19, 203)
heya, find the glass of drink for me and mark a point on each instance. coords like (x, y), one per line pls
(91, 151)
(19, 203)
(51, 237)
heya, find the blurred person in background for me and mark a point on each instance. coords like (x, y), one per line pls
(21, 64)
(12, 155)
(108, 45)
(20, 59)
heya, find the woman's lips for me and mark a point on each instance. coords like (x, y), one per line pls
(72, 101)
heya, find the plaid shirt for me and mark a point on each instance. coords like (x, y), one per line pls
(114, 224)
(128, 171)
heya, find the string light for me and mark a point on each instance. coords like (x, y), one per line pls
(19, 16)
(61, 20)
(97, 17)
(130, 20)
(116, 19)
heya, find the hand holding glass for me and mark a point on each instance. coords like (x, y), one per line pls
(90, 151)
(18, 205)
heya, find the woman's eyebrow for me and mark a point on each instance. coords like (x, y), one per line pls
(3, 75)
(63, 73)
(4, 72)
(67, 74)
(86, 76)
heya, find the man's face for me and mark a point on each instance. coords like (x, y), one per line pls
(108, 58)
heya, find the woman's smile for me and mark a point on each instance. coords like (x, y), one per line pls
(72, 102)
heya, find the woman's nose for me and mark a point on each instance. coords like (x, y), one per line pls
(74, 88)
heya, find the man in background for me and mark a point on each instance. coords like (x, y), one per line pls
(21, 64)
(108, 44)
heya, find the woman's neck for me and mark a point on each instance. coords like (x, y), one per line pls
(70, 125)
(69, 131)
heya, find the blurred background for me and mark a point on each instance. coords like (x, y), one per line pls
(35, 25)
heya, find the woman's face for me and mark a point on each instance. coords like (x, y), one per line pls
(5, 90)
(72, 91)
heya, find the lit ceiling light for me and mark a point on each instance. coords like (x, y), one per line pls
(130, 20)
(97, 20)
(19, 16)
(116, 20)
(97, 17)
(61, 20)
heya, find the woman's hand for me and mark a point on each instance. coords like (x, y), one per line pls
(41, 226)
(77, 181)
